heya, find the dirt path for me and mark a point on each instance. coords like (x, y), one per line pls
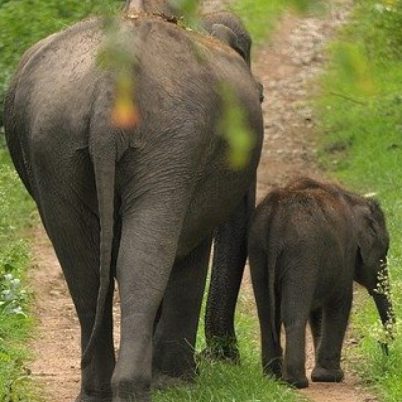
(286, 67)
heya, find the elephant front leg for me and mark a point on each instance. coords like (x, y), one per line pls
(335, 320)
(175, 335)
(147, 251)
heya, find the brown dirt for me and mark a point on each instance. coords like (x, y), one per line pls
(57, 343)
(286, 67)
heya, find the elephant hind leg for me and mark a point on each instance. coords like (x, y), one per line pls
(294, 371)
(335, 320)
(150, 234)
(297, 295)
(270, 327)
(175, 335)
(74, 233)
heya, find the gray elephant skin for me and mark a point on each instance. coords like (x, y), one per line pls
(308, 242)
(139, 204)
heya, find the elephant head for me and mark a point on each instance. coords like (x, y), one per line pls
(371, 262)
(162, 7)
(228, 28)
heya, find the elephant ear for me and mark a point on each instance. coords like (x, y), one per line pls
(372, 235)
(226, 35)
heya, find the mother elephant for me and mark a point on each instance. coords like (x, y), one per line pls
(138, 203)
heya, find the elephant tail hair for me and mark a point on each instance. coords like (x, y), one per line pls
(104, 163)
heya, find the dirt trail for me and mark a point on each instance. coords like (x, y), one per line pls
(286, 67)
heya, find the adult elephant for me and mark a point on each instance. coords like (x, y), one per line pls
(136, 202)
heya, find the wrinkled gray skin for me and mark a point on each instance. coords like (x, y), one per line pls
(308, 242)
(137, 204)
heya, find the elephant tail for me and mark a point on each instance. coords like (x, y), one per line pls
(103, 154)
(272, 261)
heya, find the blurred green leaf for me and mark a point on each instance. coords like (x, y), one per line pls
(234, 129)
(187, 8)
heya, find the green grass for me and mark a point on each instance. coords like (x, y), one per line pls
(361, 113)
(15, 326)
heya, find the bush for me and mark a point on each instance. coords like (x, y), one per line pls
(381, 29)
(15, 208)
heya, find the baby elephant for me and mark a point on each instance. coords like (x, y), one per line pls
(308, 242)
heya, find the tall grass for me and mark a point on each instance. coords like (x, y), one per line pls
(15, 326)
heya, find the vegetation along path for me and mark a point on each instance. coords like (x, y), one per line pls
(286, 65)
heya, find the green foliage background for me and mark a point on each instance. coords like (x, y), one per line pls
(24, 22)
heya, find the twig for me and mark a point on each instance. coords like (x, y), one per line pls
(348, 98)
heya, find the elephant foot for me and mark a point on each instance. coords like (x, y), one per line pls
(131, 398)
(297, 382)
(228, 354)
(273, 368)
(98, 398)
(320, 374)
(162, 381)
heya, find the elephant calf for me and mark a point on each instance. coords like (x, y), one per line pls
(308, 242)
